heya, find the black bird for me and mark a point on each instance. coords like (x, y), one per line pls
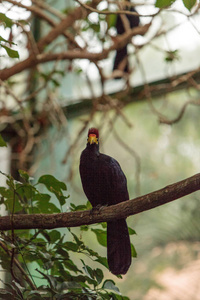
(121, 59)
(104, 183)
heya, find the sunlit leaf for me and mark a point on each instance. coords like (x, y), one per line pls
(164, 3)
(189, 4)
(5, 20)
(11, 53)
(6, 41)
(101, 236)
(111, 20)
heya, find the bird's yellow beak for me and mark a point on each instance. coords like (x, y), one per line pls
(92, 139)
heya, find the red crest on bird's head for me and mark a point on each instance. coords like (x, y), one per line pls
(93, 131)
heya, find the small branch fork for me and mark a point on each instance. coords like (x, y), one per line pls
(105, 214)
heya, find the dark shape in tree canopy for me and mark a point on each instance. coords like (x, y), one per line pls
(121, 60)
(104, 183)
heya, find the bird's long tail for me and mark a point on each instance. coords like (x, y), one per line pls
(118, 247)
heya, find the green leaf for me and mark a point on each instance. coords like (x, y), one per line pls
(164, 3)
(88, 205)
(189, 4)
(2, 142)
(42, 204)
(42, 198)
(52, 183)
(26, 191)
(11, 53)
(48, 209)
(54, 186)
(95, 27)
(103, 261)
(111, 20)
(6, 41)
(110, 285)
(10, 199)
(74, 207)
(54, 236)
(101, 236)
(71, 266)
(89, 272)
(98, 273)
(77, 240)
(6, 193)
(51, 279)
(133, 251)
(131, 231)
(71, 246)
(7, 21)
(24, 175)
(84, 227)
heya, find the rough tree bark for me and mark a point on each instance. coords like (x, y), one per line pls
(104, 214)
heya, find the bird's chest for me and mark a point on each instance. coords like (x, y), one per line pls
(95, 180)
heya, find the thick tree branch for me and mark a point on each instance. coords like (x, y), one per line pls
(104, 214)
(77, 14)
(34, 60)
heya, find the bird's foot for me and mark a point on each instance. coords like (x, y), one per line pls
(96, 209)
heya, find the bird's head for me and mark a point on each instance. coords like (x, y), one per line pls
(93, 136)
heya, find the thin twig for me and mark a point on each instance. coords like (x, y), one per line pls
(164, 120)
(118, 12)
(17, 264)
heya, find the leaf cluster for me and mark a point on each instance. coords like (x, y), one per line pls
(53, 265)
(189, 4)
(7, 22)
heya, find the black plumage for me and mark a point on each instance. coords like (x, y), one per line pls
(104, 183)
(121, 59)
